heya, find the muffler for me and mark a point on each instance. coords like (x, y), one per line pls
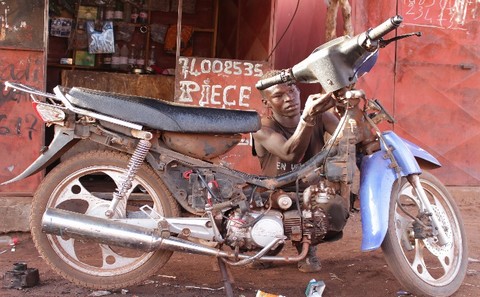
(106, 231)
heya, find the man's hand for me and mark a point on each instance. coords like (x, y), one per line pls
(317, 103)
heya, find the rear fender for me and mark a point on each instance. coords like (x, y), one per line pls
(376, 183)
(63, 140)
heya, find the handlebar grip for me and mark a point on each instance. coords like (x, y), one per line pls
(384, 28)
(284, 76)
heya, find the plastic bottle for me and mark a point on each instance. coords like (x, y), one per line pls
(132, 59)
(143, 14)
(141, 58)
(6, 240)
(107, 61)
(151, 60)
(109, 13)
(124, 57)
(134, 15)
(127, 10)
(118, 13)
(116, 58)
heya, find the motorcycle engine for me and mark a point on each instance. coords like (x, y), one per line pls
(253, 229)
(323, 215)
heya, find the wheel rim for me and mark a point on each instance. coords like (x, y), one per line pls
(89, 191)
(434, 264)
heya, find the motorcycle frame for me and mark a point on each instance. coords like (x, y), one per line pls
(377, 174)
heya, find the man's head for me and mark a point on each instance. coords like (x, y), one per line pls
(282, 99)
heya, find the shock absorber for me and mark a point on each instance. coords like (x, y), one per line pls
(136, 161)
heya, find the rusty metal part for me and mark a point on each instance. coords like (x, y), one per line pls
(202, 146)
(79, 226)
(21, 277)
(281, 200)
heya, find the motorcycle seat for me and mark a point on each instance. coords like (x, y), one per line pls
(164, 115)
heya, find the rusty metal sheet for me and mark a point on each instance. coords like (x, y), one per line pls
(21, 130)
(431, 83)
(223, 83)
(438, 85)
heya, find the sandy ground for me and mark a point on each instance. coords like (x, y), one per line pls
(346, 271)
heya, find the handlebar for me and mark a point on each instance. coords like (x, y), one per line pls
(384, 28)
(286, 75)
(338, 57)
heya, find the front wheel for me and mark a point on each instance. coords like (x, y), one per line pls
(417, 260)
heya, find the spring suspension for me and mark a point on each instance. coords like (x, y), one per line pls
(136, 161)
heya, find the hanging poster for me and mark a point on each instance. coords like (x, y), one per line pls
(22, 24)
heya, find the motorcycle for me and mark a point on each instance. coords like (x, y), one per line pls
(107, 219)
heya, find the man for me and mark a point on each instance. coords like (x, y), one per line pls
(290, 136)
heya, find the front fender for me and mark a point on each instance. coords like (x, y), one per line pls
(63, 140)
(376, 182)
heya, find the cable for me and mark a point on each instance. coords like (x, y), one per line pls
(286, 29)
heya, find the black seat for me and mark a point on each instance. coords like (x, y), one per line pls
(164, 115)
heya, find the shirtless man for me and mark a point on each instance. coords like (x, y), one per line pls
(290, 136)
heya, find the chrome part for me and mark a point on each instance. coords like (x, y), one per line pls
(60, 96)
(135, 162)
(112, 233)
(267, 230)
(437, 226)
(142, 134)
(216, 232)
(254, 229)
(436, 264)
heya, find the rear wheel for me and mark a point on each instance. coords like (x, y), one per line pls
(85, 184)
(417, 260)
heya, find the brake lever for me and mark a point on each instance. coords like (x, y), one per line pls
(382, 112)
(384, 43)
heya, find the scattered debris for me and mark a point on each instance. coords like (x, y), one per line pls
(315, 288)
(334, 276)
(265, 294)
(473, 260)
(21, 277)
(100, 293)
(124, 291)
(403, 293)
(167, 276)
(204, 288)
(472, 272)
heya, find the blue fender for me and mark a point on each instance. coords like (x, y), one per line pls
(376, 182)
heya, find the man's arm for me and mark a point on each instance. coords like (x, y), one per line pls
(290, 150)
(330, 122)
(294, 148)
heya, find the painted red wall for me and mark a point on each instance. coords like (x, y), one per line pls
(431, 84)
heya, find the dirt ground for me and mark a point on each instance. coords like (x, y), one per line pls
(346, 271)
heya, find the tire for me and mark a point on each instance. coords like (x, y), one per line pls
(84, 184)
(423, 266)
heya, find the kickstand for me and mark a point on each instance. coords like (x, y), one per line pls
(226, 277)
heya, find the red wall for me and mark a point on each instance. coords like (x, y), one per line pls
(431, 84)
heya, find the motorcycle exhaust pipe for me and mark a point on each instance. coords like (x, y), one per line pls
(80, 226)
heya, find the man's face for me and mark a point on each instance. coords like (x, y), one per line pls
(283, 99)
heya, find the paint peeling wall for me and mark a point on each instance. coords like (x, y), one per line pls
(22, 59)
(431, 83)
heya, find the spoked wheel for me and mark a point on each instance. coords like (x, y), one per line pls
(415, 257)
(85, 184)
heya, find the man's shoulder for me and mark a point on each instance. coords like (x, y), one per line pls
(267, 121)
